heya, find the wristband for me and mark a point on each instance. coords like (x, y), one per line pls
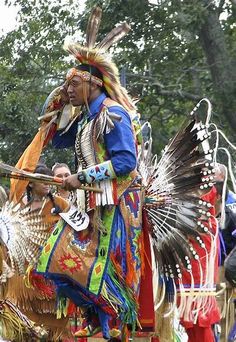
(98, 173)
(81, 177)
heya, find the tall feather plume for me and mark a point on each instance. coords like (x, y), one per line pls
(93, 27)
(114, 36)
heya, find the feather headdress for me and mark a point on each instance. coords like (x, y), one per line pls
(95, 55)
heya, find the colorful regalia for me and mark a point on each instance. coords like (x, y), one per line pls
(100, 268)
(140, 225)
(104, 260)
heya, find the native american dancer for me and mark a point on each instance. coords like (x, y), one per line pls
(40, 305)
(100, 255)
(103, 264)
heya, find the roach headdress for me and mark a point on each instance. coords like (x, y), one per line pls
(95, 55)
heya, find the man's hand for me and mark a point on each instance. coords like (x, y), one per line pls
(71, 182)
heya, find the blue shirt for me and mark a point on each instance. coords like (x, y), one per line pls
(231, 201)
(119, 142)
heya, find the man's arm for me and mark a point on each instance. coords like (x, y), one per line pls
(120, 144)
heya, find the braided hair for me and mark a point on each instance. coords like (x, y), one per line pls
(56, 208)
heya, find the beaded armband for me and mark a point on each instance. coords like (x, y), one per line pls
(99, 172)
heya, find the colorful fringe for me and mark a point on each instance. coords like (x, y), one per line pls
(121, 296)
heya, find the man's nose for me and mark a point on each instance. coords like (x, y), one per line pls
(69, 90)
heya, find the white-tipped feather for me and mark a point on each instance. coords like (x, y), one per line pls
(176, 212)
(23, 233)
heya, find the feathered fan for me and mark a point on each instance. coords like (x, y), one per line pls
(22, 232)
(173, 205)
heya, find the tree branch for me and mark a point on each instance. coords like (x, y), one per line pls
(220, 7)
(160, 88)
(172, 93)
(152, 116)
(145, 77)
(177, 93)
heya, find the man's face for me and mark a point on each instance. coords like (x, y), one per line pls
(75, 91)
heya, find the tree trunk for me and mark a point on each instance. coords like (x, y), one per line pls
(220, 64)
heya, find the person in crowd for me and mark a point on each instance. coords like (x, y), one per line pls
(62, 170)
(205, 276)
(109, 247)
(225, 207)
(40, 304)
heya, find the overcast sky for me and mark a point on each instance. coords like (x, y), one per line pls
(7, 17)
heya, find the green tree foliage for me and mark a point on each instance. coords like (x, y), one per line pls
(32, 64)
(176, 53)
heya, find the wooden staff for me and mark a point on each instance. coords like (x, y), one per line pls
(39, 178)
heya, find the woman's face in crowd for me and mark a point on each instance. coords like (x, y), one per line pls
(62, 172)
(40, 189)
